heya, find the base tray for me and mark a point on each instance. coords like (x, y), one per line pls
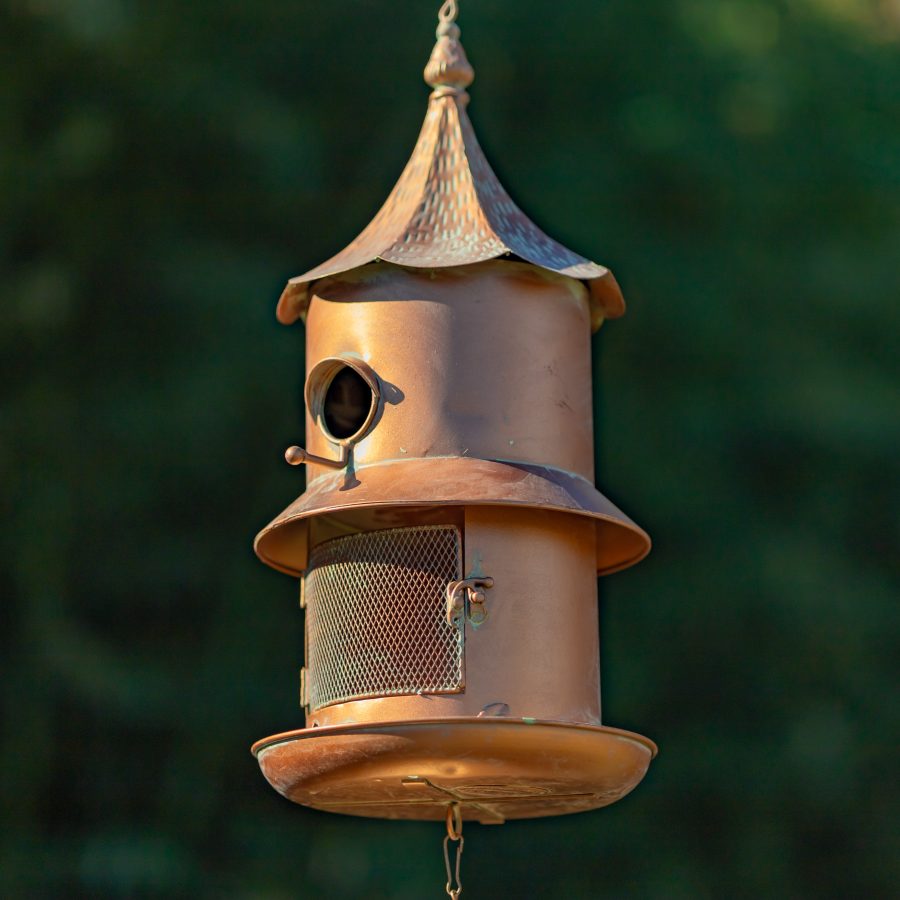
(495, 768)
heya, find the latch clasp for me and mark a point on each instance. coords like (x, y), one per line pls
(466, 598)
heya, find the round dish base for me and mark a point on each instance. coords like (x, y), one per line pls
(494, 768)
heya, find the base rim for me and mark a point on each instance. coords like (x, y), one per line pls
(495, 768)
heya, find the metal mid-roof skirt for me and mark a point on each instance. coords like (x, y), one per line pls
(449, 208)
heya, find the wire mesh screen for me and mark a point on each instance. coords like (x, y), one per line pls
(376, 620)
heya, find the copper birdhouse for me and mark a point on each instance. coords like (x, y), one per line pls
(450, 536)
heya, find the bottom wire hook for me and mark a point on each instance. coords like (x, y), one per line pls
(454, 833)
(453, 873)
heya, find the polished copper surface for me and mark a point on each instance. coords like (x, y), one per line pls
(485, 397)
(496, 769)
(491, 361)
(449, 208)
(383, 495)
(479, 427)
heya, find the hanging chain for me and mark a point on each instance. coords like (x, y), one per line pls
(454, 833)
(449, 11)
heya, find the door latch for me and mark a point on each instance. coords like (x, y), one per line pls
(466, 598)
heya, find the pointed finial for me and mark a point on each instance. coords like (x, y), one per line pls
(448, 70)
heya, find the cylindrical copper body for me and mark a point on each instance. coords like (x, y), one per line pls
(536, 654)
(490, 361)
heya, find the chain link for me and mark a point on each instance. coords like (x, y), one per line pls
(454, 833)
(449, 11)
(453, 873)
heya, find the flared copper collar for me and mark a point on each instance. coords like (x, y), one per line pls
(450, 482)
(449, 208)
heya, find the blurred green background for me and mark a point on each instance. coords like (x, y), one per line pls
(165, 167)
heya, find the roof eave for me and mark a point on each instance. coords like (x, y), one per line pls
(605, 295)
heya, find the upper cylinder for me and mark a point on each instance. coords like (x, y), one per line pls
(489, 361)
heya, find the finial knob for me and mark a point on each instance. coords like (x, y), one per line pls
(448, 68)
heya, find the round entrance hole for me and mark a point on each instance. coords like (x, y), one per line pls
(343, 395)
(347, 403)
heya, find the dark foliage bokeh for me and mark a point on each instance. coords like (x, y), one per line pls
(164, 167)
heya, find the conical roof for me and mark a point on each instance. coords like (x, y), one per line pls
(449, 208)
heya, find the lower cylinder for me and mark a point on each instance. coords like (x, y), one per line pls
(380, 647)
